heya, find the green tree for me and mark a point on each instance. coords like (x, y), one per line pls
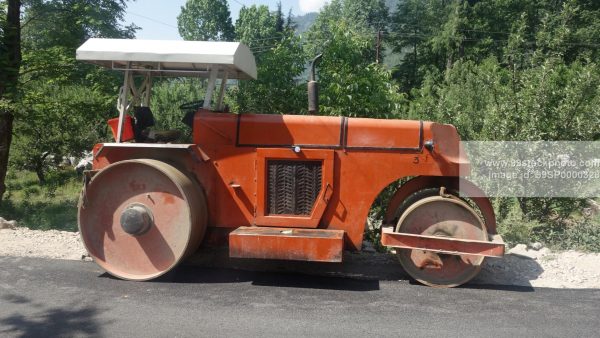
(10, 62)
(409, 25)
(504, 70)
(205, 20)
(436, 34)
(280, 61)
(257, 27)
(523, 87)
(58, 120)
(351, 84)
(44, 22)
(486, 101)
(370, 13)
(168, 94)
(427, 34)
(365, 17)
(373, 13)
(279, 18)
(49, 45)
(61, 98)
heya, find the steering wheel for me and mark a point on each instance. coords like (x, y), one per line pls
(192, 105)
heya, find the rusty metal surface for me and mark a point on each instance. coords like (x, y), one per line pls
(444, 245)
(441, 216)
(232, 169)
(457, 184)
(176, 228)
(316, 245)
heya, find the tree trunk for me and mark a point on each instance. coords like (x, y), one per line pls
(6, 119)
(523, 206)
(9, 79)
(11, 45)
(39, 171)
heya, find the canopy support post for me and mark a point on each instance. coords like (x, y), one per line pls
(222, 91)
(123, 103)
(135, 92)
(211, 87)
(146, 90)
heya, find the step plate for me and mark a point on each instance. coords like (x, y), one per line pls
(316, 245)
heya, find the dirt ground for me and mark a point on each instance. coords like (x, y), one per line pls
(521, 266)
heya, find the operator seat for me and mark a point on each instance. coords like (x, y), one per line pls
(144, 119)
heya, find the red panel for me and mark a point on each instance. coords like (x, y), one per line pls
(270, 130)
(445, 245)
(214, 128)
(383, 133)
(289, 244)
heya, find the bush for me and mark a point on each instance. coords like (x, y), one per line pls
(55, 121)
(570, 232)
(512, 225)
(580, 234)
(49, 206)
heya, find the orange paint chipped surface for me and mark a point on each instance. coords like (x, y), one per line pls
(361, 157)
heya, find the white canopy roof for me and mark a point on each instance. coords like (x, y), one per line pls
(171, 58)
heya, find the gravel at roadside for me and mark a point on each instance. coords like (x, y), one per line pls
(23, 242)
(521, 266)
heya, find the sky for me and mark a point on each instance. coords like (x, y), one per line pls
(158, 18)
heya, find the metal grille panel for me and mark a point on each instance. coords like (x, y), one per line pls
(293, 186)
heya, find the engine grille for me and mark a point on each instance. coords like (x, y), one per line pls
(293, 186)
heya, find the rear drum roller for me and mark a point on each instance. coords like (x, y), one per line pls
(446, 216)
(139, 218)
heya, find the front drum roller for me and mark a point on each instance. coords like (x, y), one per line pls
(139, 218)
(445, 216)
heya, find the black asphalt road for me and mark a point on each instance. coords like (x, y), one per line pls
(42, 298)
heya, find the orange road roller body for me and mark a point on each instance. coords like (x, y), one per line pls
(291, 187)
(284, 186)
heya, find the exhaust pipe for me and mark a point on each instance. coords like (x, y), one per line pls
(313, 88)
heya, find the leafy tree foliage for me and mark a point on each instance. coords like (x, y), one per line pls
(538, 81)
(62, 100)
(58, 121)
(49, 45)
(436, 34)
(487, 101)
(280, 61)
(504, 70)
(44, 22)
(351, 83)
(168, 94)
(363, 17)
(372, 14)
(205, 20)
(413, 21)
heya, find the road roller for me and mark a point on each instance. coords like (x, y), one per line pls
(276, 187)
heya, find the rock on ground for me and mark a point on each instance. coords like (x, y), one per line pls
(4, 224)
(521, 266)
